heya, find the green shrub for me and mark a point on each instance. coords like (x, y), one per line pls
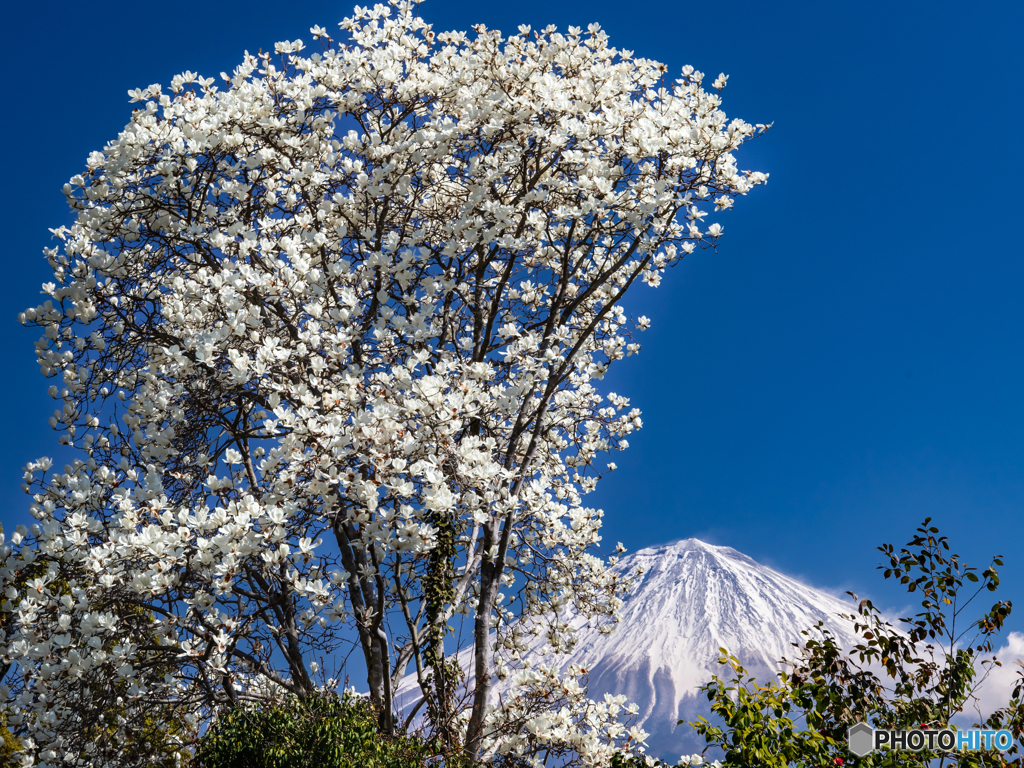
(323, 731)
(9, 745)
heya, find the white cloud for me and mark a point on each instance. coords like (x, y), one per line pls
(995, 691)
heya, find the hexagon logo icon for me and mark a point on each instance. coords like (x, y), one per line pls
(861, 739)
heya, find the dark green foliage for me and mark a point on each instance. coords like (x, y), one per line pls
(927, 676)
(9, 747)
(323, 731)
(439, 593)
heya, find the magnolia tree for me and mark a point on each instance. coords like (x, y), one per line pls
(326, 340)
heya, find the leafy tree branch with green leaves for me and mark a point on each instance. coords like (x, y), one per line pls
(921, 676)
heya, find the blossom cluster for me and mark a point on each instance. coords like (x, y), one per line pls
(327, 332)
(549, 715)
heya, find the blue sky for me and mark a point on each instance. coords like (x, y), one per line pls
(848, 363)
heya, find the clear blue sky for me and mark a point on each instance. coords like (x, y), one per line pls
(848, 363)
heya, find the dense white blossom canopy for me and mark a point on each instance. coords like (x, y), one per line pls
(327, 335)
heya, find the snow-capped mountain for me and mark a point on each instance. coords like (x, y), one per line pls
(691, 599)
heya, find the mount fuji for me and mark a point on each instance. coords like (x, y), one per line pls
(689, 600)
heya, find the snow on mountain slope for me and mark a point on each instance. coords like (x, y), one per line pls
(691, 599)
